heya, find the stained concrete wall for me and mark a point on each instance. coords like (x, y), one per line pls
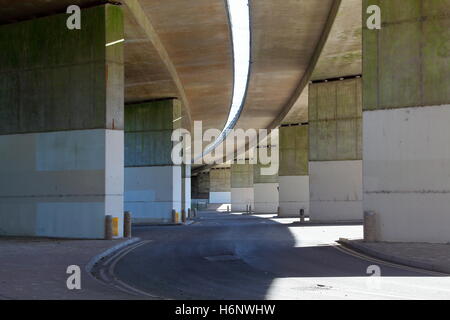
(293, 172)
(335, 150)
(61, 121)
(335, 120)
(55, 79)
(220, 186)
(200, 186)
(406, 112)
(153, 185)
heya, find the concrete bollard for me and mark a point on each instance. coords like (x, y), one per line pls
(108, 228)
(183, 216)
(127, 224)
(195, 213)
(302, 215)
(174, 216)
(228, 209)
(369, 226)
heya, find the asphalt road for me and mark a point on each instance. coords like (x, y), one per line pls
(228, 256)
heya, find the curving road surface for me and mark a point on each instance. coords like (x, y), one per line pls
(231, 256)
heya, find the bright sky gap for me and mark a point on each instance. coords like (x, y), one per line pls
(240, 29)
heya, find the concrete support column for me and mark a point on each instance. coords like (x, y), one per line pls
(293, 173)
(220, 186)
(265, 187)
(153, 185)
(335, 156)
(242, 187)
(406, 115)
(61, 125)
(187, 187)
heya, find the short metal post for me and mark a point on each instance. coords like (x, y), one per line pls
(127, 224)
(370, 226)
(278, 211)
(195, 213)
(189, 214)
(249, 209)
(108, 228)
(183, 216)
(302, 215)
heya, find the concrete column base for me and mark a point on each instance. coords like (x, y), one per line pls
(335, 191)
(61, 184)
(152, 193)
(294, 195)
(266, 197)
(406, 173)
(241, 198)
(219, 197)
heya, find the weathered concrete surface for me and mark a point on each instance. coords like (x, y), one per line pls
(241, 175)
(266, 197)
(335, 150)
(64, 172)
(293, 151)
(200, 186)
(220, 185)
(148, 131)
(242, 194)
(266, 193)
(153, 185)
(335, 191)
(418, 73)
(282, 47)
(197, 38)
(46, 87)
(335, 120)
(406, 100)
(293, 172)
(341, 55)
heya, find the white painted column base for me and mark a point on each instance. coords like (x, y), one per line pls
(219, 197)
(407, 173)
(294, 195)
(187, 193)
(335, 191)
(151, 193)
(266, 197)
(61, 184)
(241, 198)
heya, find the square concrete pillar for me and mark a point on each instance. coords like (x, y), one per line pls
(335, 144)
(406, 157)
(153, 185)
(242, 187)
(61, 125)
(293, 173)
(265, 188)
(220, 186)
